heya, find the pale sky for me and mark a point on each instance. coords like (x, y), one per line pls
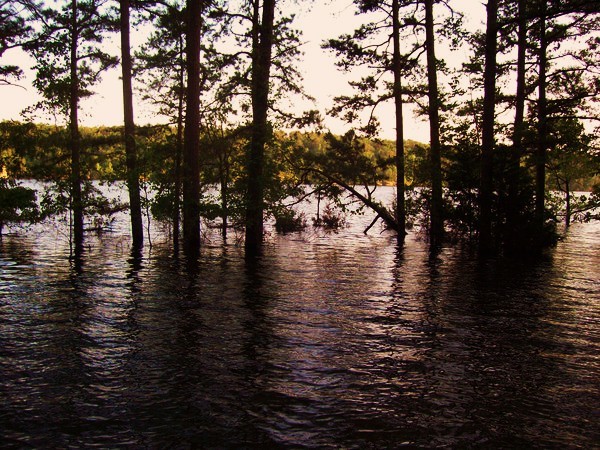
(322, 79)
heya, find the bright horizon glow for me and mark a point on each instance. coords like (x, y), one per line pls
(322, 79)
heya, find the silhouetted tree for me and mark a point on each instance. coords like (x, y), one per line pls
(437, 207)
(261, 74)
(369, 46)
(570, 159)
(542, 117)
(262, 43)
(398, 104)
(69, 60)
(191, 164)
(14, 32)
(161, 65)
(514, 184)
(489, 119)
(133, 180)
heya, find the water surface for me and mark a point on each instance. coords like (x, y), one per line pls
(331, 340)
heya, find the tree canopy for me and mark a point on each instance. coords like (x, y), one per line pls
(509, 125)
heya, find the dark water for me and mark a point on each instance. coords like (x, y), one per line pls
(329, 341)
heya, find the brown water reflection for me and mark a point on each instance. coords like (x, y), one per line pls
(327, 341)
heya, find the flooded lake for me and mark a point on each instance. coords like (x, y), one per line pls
(330, 340)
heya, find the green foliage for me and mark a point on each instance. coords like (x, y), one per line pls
(28, 150)
(461, 198)
(39, 151)
(462, 194)
(18, 204)
(331, 218)
(587, 207)
(14, 32)
(161, 205)
(99, 210)
(156, 160)
(348, 165)
(61, 36)
(288, 221)
(356, 160)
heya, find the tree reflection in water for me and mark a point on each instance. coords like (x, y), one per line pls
(324, 341)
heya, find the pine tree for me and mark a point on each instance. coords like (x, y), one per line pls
(261, 73)
(161, 67)
(14, 32)
(69, 61)
(262, 45)
(369, 45)
(488, 122)
(133, 181)
(191, 143)
(377, 45)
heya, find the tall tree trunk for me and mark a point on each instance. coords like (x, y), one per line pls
(133, 181)
(517, 137)
(436, 213)
(75, 141)
(568, 204)
(191, 171)
(224, 177)
(178, 150)
(540, 161)
(400, 201)
(261, 66)
(487, 129)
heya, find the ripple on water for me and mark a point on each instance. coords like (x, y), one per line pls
(329, 341)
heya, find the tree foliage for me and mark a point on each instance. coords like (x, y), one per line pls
(17, 204)
(527, 120)
(15, 31)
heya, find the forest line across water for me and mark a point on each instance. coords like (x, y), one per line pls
(39, 152)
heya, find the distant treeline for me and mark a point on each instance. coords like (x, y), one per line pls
(300, 165)
(40, 151)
